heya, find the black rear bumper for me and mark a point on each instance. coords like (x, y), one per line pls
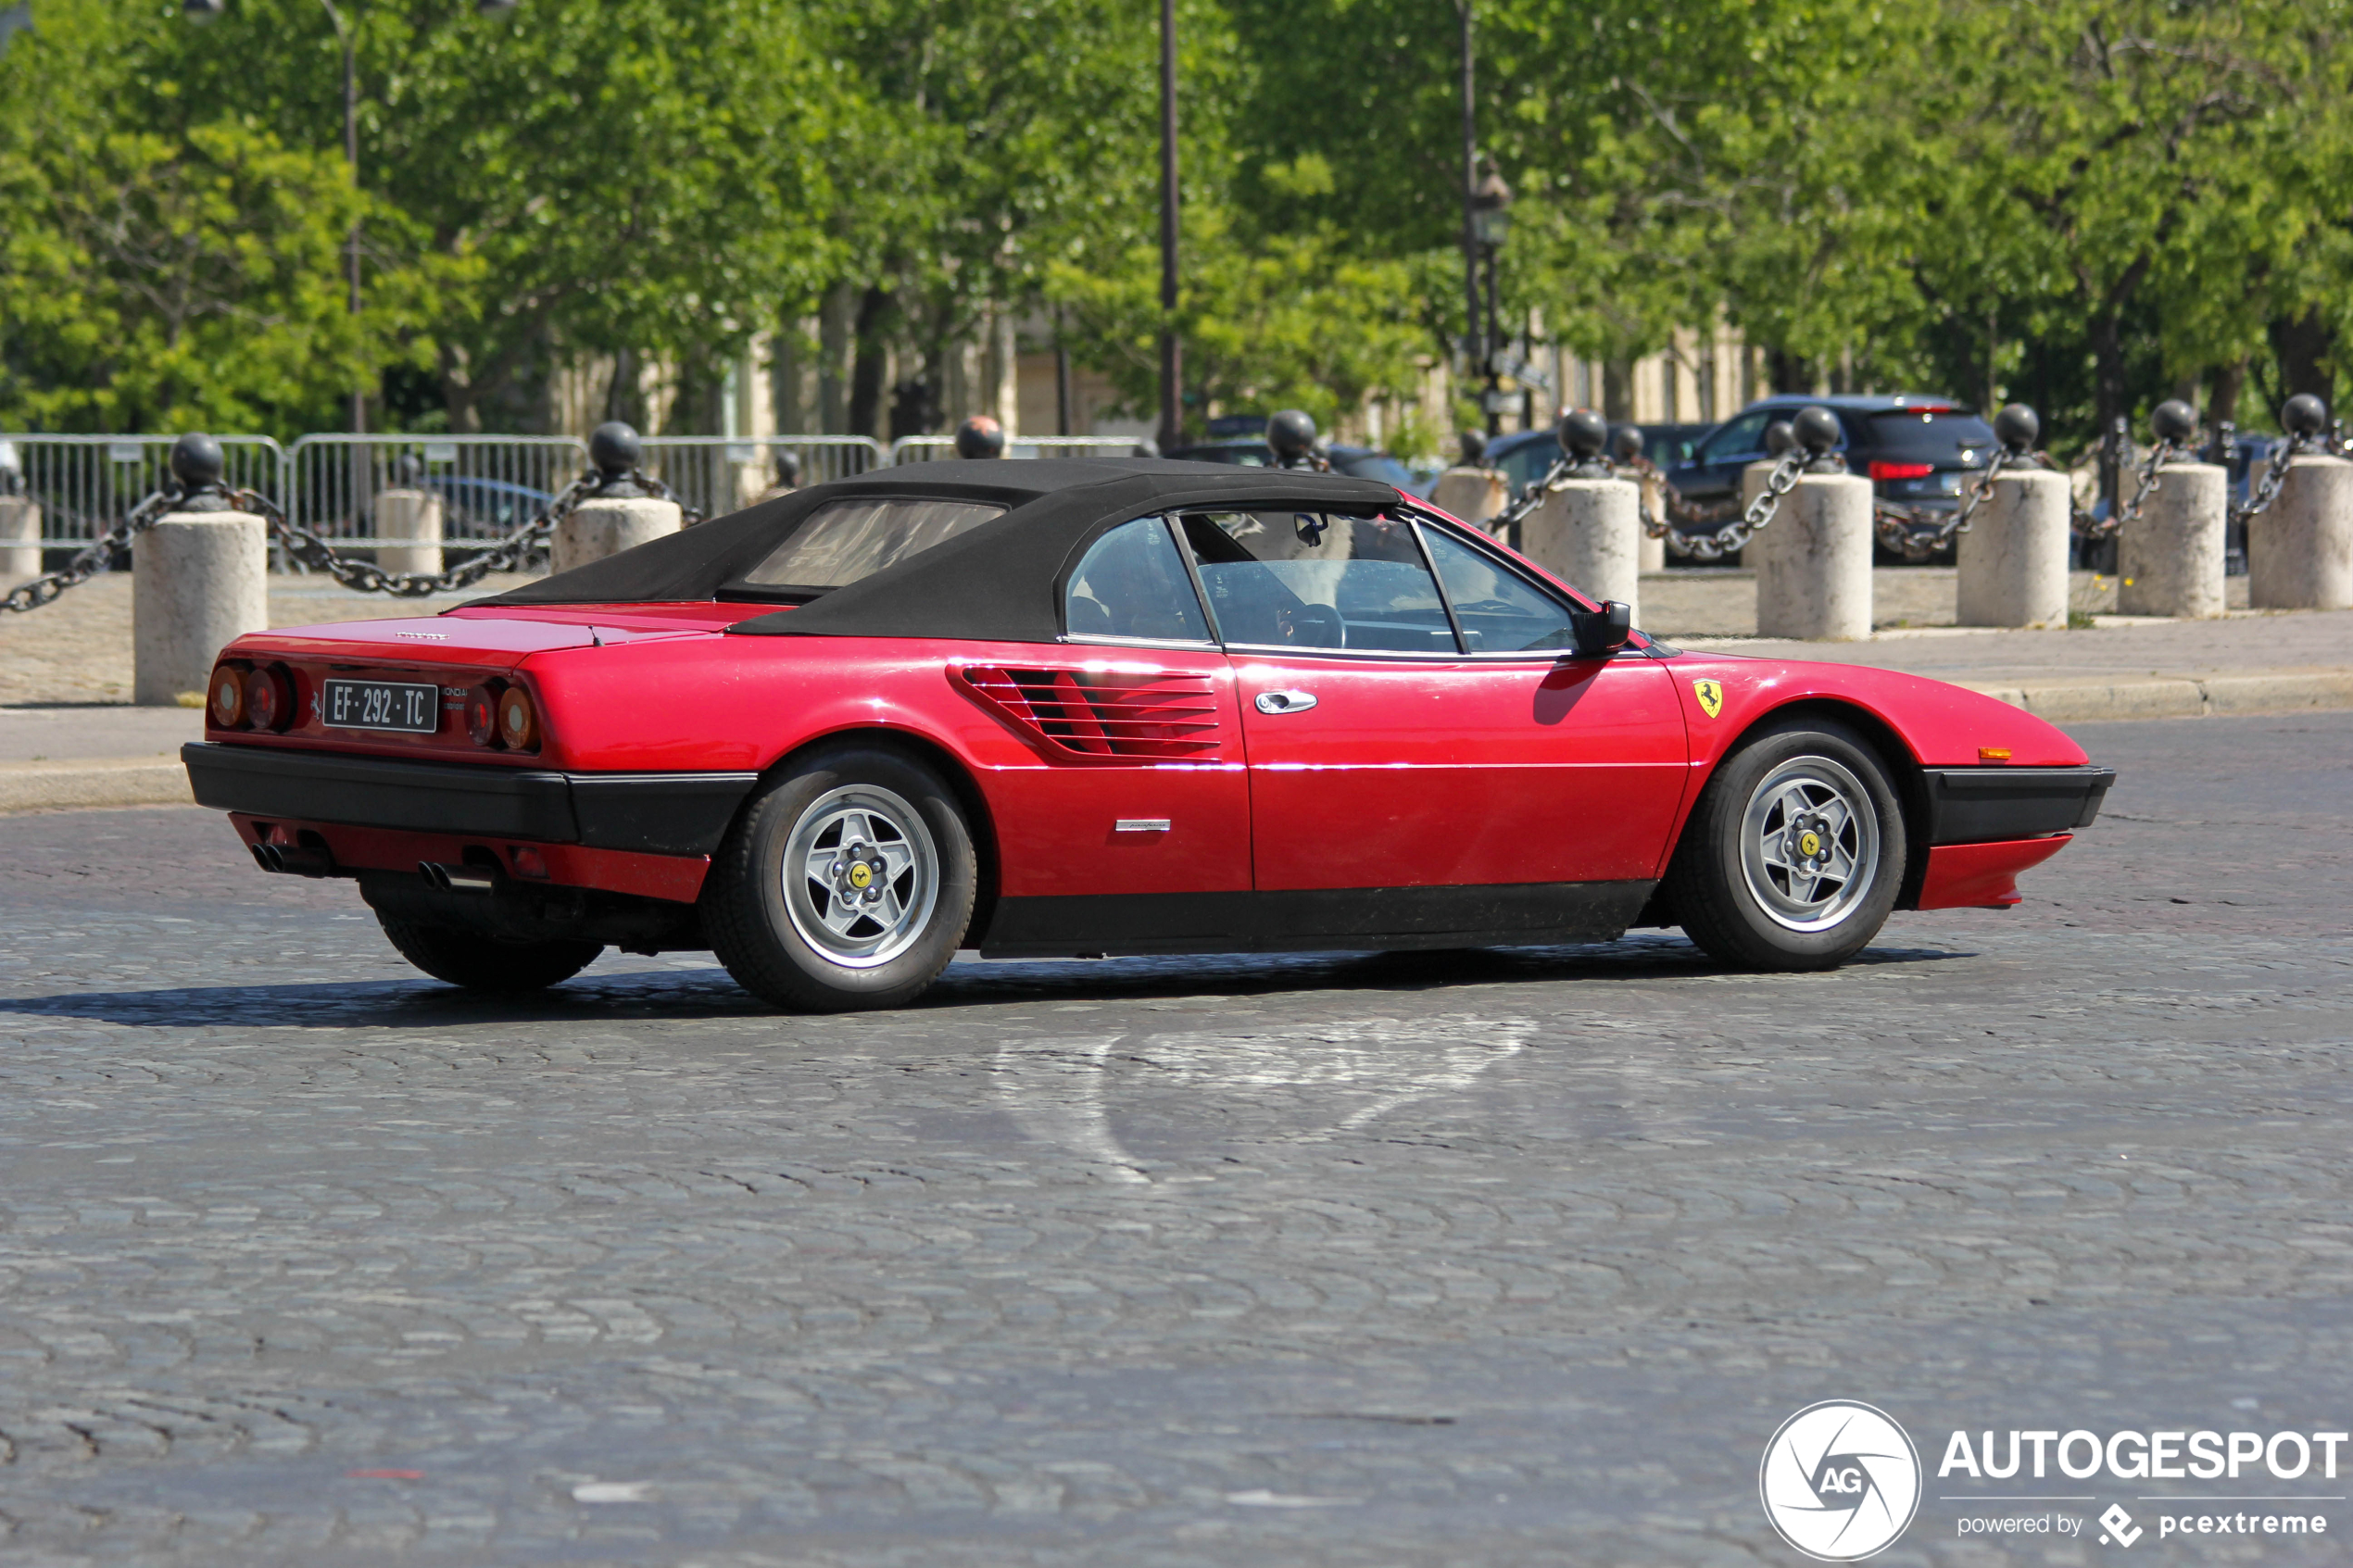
(1992, 805)
(652, 813)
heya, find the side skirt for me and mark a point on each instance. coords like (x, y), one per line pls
(1505, 914)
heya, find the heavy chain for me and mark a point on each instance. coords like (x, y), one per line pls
(2274, 475)
(312, 549)
(1899, 527)
(1530, 499)
(1735, 536)
(93, 558)
(2148, 485)
(509, 554)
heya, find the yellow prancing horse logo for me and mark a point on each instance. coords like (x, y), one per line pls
(1711, 696)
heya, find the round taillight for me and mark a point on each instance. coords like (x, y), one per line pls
(268, 698)
(482, 714)
(226, 705)
(518, 719)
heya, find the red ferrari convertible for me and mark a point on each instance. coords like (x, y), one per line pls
(1056, 709)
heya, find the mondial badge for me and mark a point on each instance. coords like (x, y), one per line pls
(1711, 696)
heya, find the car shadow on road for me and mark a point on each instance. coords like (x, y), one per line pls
(679, 994)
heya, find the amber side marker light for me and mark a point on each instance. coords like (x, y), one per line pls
(518, 719)
(1993, 753)
(227, 703)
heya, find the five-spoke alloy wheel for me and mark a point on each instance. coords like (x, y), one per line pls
(846, 883)
(1793, 856)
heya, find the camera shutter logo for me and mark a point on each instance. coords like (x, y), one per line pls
(1840, 1481)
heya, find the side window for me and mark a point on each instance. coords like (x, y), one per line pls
(1130, 584)
(1744, 435)
(1500, 611)
(1314, 580)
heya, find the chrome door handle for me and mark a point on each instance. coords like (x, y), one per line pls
(1285, 702)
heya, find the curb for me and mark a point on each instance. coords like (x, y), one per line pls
(113, 781)
(2178, 696)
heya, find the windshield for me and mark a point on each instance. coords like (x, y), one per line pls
(843, 541)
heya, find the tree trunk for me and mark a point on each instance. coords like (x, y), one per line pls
(1789, 372)
(2110, 398)
(1618, 391)
(2305, 347)
(2225, 384)
(870, 369)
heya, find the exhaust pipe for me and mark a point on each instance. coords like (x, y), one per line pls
(457, 879)
(294, 860)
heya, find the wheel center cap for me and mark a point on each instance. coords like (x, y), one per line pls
(862, 875)
(1809, 843)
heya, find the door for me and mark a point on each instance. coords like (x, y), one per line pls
(1384, 753)
(1132, 829)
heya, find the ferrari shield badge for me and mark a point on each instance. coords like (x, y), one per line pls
(1711, 696)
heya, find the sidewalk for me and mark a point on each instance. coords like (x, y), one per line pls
(67, 737)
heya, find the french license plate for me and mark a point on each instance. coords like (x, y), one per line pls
(382, 705)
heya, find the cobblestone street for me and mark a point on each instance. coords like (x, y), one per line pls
(1506, 1259)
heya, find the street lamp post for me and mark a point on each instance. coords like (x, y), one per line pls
(1472, 352)
(205, 11)
(1490, 224)
(1172, 395)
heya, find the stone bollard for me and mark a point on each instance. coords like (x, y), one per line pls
(2013, 558)
(620, 516)
(2299, 553)
(1473, 494)
(1813, 561)
(1589, 532)
(1652, 553)
(200, 578)
(20, 539)
(606, 525)
(2169, 561)
(414, 516)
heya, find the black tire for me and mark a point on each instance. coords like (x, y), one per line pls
(813, 945)
(1761, 914)
(484, 963)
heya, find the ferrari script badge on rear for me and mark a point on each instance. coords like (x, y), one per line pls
(1711, 696)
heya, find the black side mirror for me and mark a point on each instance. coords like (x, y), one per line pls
(1603, 632)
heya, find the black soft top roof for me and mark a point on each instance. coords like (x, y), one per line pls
(998, 583)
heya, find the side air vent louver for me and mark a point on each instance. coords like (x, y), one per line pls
(1107, 713)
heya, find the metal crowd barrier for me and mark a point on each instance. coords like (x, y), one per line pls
(718, 474)
(85, 483)
(925, 448)
(489, 485)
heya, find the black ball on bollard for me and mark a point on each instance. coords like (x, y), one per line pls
(1627, 445)
(2305, 415)
(1583, 434)
(1474, 448)
(2017, 427)
(1292, 433)
(980, 436)
(2173, 421)
(1781, 438)
(1817, 429)
(197, 461)
(615, 448)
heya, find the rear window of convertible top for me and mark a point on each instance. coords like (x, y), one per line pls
(843, 541)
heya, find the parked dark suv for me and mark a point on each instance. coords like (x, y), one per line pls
(1915, 450)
